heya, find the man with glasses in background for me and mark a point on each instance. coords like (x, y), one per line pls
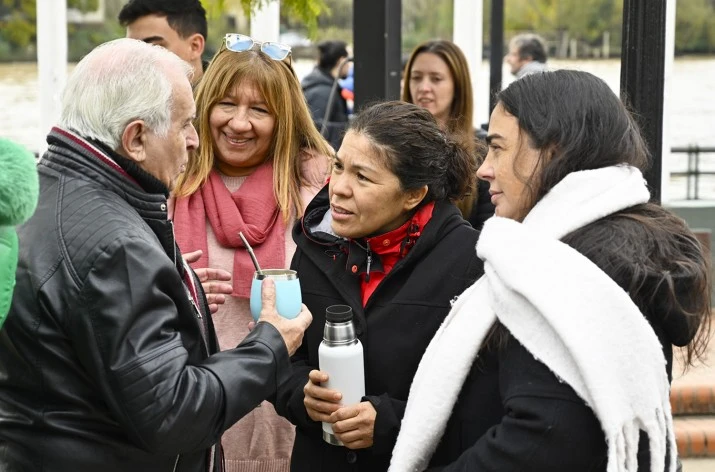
(178, 25)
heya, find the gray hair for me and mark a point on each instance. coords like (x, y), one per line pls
(530, 45)
(118, 82)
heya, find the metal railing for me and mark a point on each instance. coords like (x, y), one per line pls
(693, 171)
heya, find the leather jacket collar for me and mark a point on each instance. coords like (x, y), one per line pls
(93, 161)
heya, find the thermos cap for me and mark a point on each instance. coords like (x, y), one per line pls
(338, 314)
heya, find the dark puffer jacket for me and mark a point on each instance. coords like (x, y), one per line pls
(394, 327)
(104, 359)
(317, 88)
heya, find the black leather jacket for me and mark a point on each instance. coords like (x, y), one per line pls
(105, 358)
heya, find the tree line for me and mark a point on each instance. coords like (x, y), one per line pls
(577, 28)
(583, 25)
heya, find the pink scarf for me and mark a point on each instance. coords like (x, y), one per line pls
(252, 209)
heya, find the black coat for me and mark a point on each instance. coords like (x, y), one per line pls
(483, 208)
(103, 364)
(317, 88)
(543, 425)
(394, 328)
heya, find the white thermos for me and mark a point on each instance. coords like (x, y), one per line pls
(340, 356)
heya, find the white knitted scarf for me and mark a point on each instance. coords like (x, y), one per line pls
(566, 312)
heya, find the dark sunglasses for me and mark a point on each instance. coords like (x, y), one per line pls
(240, 42)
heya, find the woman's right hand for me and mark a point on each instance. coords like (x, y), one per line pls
(319, 401)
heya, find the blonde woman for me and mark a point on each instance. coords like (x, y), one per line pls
(260, 162)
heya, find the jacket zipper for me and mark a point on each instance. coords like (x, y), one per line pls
(369, 257)
(193, 304)
(188, 274)
(197, 311)
(369, 260)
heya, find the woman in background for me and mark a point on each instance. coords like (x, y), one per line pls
(259, 163)
(437, 78)
(385, 238)
(588, 286)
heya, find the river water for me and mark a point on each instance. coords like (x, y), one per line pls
(690, 107)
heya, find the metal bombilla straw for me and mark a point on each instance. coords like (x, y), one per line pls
(250, 253)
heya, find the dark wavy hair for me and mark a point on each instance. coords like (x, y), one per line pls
(577, 123)
(416, 150)
(330, 53)
(652, 255)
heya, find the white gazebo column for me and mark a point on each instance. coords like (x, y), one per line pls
(467, 34)
(667, 99)
(265, 23)
(51, 63)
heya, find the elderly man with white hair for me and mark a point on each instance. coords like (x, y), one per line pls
(108, 358)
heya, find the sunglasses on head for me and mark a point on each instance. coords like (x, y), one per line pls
(240, 42)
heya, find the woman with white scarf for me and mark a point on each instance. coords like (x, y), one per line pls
(560, 357)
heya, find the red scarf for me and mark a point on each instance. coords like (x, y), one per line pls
(391, 247)
(252, 209)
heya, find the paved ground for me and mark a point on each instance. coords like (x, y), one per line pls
(698, 465)
(693, 400)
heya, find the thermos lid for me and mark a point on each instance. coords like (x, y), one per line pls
(338, 313)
